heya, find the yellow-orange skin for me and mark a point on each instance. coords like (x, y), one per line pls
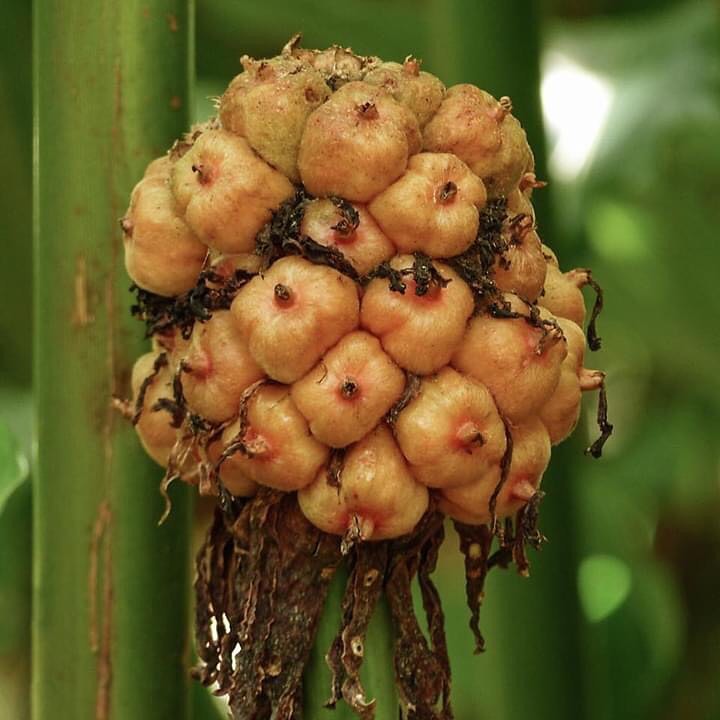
(281, 452)
(365, 247)
(562, 295)
(521, 268)
(518, 203)
(162, 255)
(419, 91)
(451, 432)
(531, 455)
(377, 492)
(357, 143)
(504, 354)
(473, 125)
(339, 418)
(217, 368)
(287, 339)
(561, 412)
(420, 333)
(414, 213)
(269, 104)
(230, 194)
(153, 428)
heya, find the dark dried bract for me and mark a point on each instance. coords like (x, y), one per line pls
(594, 340)
(602, 420)
(262, 579)
(426, 274)
(475, 543)
(212, 292)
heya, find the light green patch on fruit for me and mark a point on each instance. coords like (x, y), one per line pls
(14, 466)
(618, 232)
(604, 583)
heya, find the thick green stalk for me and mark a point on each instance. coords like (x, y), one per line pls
(112, 90)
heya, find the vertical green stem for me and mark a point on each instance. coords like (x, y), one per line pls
(111, 90)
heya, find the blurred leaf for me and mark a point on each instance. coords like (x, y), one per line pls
(604, 584)
(634, 651)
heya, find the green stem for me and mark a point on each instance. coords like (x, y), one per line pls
(377, 673)
(111, 91)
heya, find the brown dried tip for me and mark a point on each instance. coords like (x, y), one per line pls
(368, 111)
(447, 192)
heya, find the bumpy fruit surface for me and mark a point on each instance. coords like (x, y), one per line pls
(350, 299)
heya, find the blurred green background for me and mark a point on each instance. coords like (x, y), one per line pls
(621, 100)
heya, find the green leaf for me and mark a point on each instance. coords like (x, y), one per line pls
(13, 465)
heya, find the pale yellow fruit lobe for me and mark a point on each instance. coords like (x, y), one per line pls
(217, 367)
(419, 91)
(231, 475)
(562, 294)
(433, 208)
(482, 132)
(226, 191)
(290, 315)
(419, 332)
(531, 455)
(377, 492)
(154, 426)
(357, 143)
(278, 449)
(451, 432)
(347, 393)
(521, 268)
(162, 254)
(518, 362)
(268, 104)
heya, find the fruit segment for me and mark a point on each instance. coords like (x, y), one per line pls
(433, 208)
(562, 294)
(517, 357)
(377, 498)
(217, 367)
(162, 254)
(530, 457)
(293, 313)
(357, 143)
(482, 132)
(420, 326)
(561, 412)
(521, 268)
(451, 432)
(419, 91)
(230, 473)
(349, 390)
(151, 382)
(272, 445)
(268, 104)
(226, 191)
